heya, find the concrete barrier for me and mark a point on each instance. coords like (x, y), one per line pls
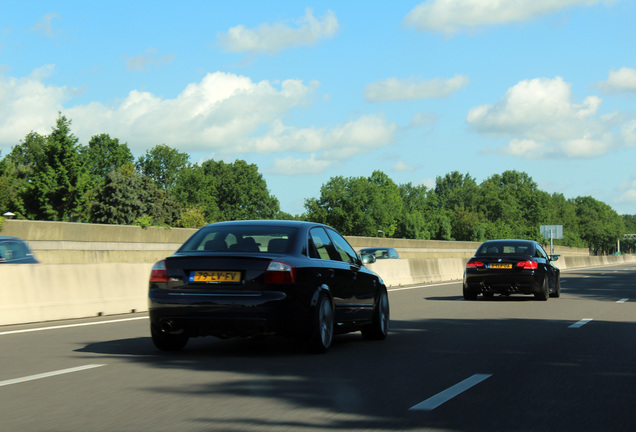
(47, 292)
(426, 270)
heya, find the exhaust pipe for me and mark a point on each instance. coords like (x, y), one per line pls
(169, 326)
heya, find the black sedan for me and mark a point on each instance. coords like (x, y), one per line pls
(511, 267)
(252, 278)
(15, 251)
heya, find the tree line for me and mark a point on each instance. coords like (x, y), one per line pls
(56, 178)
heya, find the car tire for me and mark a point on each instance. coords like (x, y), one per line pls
(544, 291)
(379, 327)
(167, 341)
(469, 295)
(322, 325)
(557, 288)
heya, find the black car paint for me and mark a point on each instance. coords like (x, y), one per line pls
(488, 281)
(253, 307)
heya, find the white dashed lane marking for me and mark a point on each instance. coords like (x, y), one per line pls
(48, 374)
(442, 397)
(581, 323)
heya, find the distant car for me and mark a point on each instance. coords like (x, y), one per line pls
(511, 267)
(380, 252)
(252, 278)
(15, 251)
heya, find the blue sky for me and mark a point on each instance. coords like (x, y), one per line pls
(310, 91)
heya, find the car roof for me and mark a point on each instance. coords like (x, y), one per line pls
(510, 241)
(10, 238)
(377, 247)
(270, 222)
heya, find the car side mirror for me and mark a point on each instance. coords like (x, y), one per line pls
(367, 259)
(554, 257)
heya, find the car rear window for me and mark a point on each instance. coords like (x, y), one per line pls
(12, 250)
(240, 238)
(523, 249)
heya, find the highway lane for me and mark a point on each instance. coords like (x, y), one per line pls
(525, 365)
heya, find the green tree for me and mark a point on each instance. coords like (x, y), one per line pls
(162, 164)
(358, 206)
(241, 191)
(192, 217)
(16, 173)
(59, 180)
(196, 188)
(419, 206)
(600, 226)
(105, 154)
(127, 198)
(630, 228)
(457, 196)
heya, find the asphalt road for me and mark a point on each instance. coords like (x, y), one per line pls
(503, 364)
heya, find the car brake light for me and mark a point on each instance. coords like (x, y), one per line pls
(159, 272)
(472, 263)
(279, 272)
(528, 265)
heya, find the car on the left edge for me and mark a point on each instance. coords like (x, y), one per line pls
(296, 279)
(15, 251)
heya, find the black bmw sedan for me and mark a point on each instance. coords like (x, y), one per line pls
(511, 267)
(251, 278)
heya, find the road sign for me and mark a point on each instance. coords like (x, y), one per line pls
(552, 231)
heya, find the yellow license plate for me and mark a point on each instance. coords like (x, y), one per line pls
(214, 276)
(500, 266)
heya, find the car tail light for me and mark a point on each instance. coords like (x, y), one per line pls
(279, 272)
(473, 263)
(528, 265)
(159, 272)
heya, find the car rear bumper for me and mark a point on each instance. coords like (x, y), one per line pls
(502, 284)
(224, 315)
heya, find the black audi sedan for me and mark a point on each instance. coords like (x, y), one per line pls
(511, 267)
(251, 278)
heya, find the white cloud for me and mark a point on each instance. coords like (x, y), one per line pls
(218, 113)
(393, 89)
(629, 133)
(401, 166)
(621, 80)
(273, 38)
(344, 141)
(223, 114)
(541, 120)
(429, 182)
(27, 104)
(453, 16)
(149, 59)
(627, 191)
(45, 24)
(296, 166)
(423, 119)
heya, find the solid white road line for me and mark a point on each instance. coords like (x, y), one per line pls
(581, 323)
(423, 286)
(70, 325)
(48, 374)
(435, 401)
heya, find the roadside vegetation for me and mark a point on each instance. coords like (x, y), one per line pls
(55, 178)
